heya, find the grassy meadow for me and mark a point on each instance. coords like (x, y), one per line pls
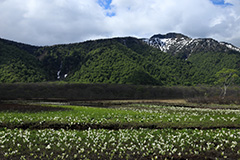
(113, 131)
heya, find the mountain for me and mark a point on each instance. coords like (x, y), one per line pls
(183, 46)
(118, 60)
(171, 59)
(19, 64)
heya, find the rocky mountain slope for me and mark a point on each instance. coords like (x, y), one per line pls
(183, 46)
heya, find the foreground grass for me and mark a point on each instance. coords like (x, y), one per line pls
(131, 132)
(120, 144)
(140, 116)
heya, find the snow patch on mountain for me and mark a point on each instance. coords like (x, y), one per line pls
(175, 43)
(166, 42)
(230, 46)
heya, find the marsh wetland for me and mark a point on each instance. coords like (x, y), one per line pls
(138, 129)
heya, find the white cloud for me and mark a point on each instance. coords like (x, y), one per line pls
(47, 22)
(199, 18)
(65, 21)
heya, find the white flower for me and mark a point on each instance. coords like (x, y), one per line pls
(48, 146)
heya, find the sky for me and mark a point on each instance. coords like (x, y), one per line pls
(44, 22)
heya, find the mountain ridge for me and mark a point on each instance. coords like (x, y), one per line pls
(120, 60)
(183, 46)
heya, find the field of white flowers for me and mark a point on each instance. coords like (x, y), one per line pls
(151, 132)
(120, 144)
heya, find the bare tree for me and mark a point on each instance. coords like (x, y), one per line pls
(225, 78)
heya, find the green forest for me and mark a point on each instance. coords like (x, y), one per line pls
(109, 61)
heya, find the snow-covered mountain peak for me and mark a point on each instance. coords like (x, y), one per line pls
(183, 46)
(166, 42)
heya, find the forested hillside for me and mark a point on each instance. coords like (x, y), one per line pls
(206, 65)
(117, 61)
(18, 65)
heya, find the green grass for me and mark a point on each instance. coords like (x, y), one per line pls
(130, 132)
(135, 117)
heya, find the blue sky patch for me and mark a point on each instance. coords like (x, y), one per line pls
(106, 4)
(111, 14)
(220, 3)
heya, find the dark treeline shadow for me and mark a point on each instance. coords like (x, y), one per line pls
(77, 92)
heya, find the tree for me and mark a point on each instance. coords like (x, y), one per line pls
(225, 78)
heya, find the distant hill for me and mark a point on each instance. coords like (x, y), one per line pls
(161, 60)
